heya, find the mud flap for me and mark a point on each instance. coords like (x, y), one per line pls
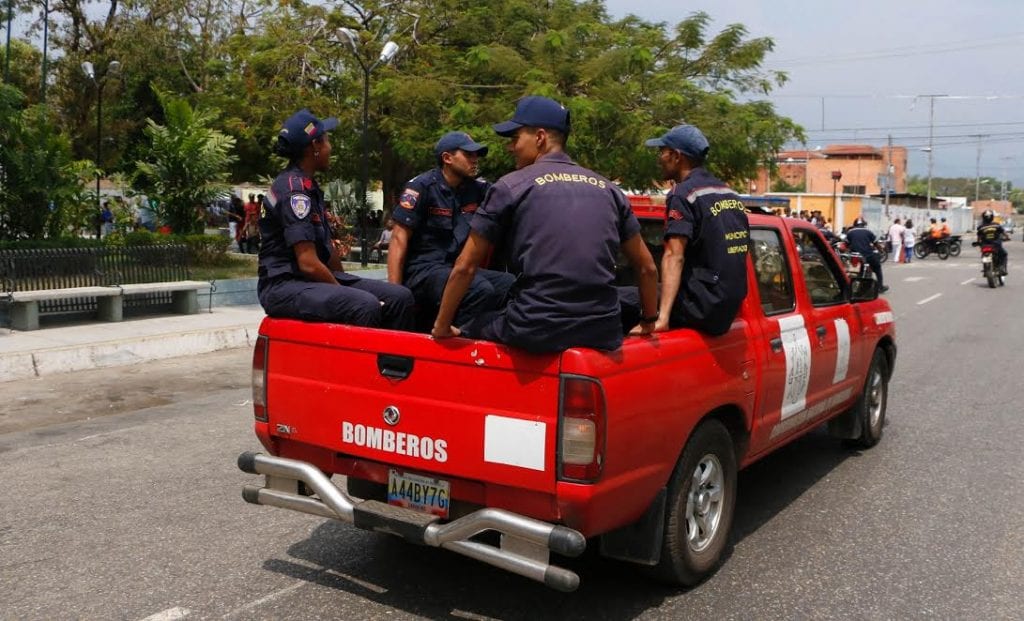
(639, 542)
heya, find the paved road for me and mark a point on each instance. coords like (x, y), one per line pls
(120, 500)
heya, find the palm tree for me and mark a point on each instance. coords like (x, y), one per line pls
(188, 165)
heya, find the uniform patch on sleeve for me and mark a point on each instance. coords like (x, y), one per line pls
(409, 198)
(675, 214)
(300, 205)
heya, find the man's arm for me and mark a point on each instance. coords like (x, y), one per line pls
(396, 252)
(671, 277)
(310, 264)
(647, 280)
(473, 253)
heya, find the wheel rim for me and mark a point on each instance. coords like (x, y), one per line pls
(876, 399)
(705, 503)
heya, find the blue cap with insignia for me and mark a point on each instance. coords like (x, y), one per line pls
(460, 141)
(300, 130)
(536, 111)
(684, 138)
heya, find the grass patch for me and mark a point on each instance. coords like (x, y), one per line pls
(231, 266)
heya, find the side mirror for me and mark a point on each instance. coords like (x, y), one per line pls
(863, 289)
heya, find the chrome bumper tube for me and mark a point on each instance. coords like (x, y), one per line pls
(525, 546)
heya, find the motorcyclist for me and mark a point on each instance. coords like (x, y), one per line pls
(864, 242)
(992, 234)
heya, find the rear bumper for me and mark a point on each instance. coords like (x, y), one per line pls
(525, 545)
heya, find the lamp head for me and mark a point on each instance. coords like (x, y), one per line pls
(88, 70)
(114, 67)
(389, 51)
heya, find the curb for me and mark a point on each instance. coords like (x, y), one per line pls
(39, 363)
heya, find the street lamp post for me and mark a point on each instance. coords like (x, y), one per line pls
(386, 54)
(836, 176)
(90, 72)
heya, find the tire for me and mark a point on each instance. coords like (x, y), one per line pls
(990, 275)
(954, 249)
(870, 408)
(920, 250)
(943, 251)
(883, 255)
(697, 522)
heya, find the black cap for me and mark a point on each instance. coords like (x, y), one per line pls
(536, 111)
(461, 141)
(301, 129)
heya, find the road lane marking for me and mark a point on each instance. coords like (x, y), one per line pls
(263, 600)
(171, 614)
(969, 280)
(929, 299)
(913, 279)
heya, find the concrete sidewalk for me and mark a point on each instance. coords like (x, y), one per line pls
(94, 344)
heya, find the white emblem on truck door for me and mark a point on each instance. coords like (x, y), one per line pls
(796, 346)
(843, 351)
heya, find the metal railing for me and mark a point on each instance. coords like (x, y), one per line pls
(60, 268)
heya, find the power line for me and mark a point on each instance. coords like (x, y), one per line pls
(937, 125)
(903, 51)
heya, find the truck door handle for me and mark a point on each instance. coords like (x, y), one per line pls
(821, 331)
(394, 367)
(776, 344)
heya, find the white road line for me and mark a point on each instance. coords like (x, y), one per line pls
(171, 614)
(913, 279)
(969, 280)
(929, 299)
(263, 600)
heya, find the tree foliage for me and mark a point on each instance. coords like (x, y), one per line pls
(39, 184)
(187, 166)
(462, 65)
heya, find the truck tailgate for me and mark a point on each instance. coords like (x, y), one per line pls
(462, 408)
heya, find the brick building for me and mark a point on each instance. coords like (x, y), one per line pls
(863, 169)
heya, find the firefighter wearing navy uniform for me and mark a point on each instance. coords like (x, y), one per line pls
(300, 271)
(704, 268)
(992, 234)
(563, 225)
(864, 242)
(432, 225)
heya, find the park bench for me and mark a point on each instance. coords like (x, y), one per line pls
(104, 280)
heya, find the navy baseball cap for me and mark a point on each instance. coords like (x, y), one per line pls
(686, 139)
(458, 141)
(302, 128)
(536, 111)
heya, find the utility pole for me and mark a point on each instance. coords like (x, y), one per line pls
(888, 177)
(977, 167)
(931, 135)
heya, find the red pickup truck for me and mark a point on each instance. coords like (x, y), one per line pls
(506, 457)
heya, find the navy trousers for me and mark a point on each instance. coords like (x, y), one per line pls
(487, 292)
(358, 302)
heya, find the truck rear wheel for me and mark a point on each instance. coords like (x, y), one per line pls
(701, 502)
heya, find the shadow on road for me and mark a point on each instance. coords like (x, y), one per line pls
(438, 584)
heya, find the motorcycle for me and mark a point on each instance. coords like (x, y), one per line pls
(941, 247)
(991, 267)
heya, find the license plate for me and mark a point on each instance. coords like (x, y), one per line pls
(420, 493)
(986, 259)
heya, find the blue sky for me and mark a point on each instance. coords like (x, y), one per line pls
(865, 62)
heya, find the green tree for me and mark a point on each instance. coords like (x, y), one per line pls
(38, 177)
(188, 165)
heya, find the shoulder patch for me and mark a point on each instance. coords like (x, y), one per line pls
(300, 205)
(409, 198)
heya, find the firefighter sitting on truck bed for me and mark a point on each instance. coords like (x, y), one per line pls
(300, 271)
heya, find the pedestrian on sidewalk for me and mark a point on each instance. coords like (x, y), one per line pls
(896, 239)
(908, 241)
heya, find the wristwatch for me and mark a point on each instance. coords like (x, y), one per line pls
(650, 319)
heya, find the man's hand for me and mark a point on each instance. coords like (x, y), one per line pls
(444, 332)
(642, 328)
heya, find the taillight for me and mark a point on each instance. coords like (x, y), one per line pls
(259, 378)
(582, 418)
